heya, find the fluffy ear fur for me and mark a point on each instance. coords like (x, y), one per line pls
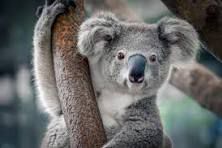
(180, 37)
(96, 32)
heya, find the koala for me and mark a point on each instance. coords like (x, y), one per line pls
(129, 62)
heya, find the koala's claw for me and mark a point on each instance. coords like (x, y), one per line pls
(56, 8)
(65, 2)
(49, 4)
(39, 11)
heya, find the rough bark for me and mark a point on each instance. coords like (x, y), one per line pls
(74, 84)
(205, 16)
(201, 84)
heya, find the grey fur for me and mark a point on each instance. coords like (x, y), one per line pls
(57, 134)
(129, 113)
(43, 64)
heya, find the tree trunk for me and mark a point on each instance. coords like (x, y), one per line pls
(205, 16)
(74, 84)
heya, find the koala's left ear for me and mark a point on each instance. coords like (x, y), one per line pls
(96, 32)
(180, 37)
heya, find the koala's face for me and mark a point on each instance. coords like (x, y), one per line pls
(135, 57)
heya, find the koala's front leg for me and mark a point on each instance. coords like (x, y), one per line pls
(56, 135)
(43, 64)
(142, 127)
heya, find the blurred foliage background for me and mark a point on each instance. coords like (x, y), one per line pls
(22, 123)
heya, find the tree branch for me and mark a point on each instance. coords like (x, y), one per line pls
(205, 16)
(201, 84)
(195, 80)
(74, 84)
(119, 7)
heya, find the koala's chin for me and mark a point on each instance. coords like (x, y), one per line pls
(136, 87)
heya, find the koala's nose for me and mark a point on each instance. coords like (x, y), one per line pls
(136, 65)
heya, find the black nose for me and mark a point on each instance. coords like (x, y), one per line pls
(136, 64)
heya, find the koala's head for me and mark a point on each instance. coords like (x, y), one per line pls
(135, 57)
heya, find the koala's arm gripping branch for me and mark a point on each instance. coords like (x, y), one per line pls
(205, 16)
(73, 82)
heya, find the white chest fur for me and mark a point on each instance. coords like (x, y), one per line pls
(112, 106)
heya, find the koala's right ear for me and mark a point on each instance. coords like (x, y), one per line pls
(181, 38)
(96, 32)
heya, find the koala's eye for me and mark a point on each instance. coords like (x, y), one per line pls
(153, 58)
(108, 38)
(120, 55)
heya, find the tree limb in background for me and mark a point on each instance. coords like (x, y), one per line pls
(74, 84)
(205, 16)
(119, 7)
(201, 84)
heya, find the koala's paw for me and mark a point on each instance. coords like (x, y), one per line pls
(50, 4)
(48, 14)
(50, 11)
